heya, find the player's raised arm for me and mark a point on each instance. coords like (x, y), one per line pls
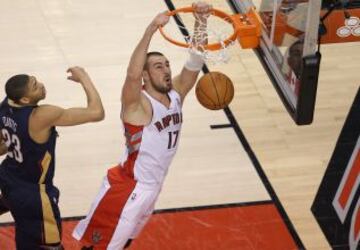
(131, 92)
(184, 82)
(46, 116)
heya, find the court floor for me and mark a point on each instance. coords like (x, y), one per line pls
(212, 167)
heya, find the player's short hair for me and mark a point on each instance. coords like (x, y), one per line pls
(150, 54)
(16, 87)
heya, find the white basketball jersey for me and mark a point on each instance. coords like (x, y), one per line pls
(151, 148)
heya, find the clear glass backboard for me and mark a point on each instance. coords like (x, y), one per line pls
(288, 50)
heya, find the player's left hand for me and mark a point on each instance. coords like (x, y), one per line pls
(159, 21)
(77, 74)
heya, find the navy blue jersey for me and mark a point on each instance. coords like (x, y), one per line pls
(26, 160)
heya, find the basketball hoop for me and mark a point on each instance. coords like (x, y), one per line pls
(212, 37)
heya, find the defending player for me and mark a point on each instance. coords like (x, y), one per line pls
(26, 174)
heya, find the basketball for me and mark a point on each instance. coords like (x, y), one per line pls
(214, 90)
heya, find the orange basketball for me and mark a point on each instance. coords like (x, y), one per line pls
(214, 90)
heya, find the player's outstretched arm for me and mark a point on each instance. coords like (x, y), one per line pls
(46, 116)
(131, 92)
(186, 80)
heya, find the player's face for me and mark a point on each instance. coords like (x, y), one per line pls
(36, 91)
(158, 73)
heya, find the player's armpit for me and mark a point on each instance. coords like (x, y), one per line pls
(138, 113)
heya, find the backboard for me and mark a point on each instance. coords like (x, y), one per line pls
(288, 50)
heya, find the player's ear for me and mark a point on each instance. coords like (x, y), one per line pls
(24, 100)
(145, 75)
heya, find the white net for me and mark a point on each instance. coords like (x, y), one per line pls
(200, 32)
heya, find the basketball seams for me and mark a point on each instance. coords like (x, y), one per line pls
(215, 87)
(213, 92)
(199, 89)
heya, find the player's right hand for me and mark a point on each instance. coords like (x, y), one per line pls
(77, 74)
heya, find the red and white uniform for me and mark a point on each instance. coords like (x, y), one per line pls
(129, 191)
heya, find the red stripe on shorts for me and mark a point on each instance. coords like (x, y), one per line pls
(106, 215)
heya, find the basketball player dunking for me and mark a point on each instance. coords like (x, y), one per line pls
(152, 118)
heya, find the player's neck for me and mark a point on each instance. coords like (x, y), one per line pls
(160, 97)
(163, 99)
(14, 104)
